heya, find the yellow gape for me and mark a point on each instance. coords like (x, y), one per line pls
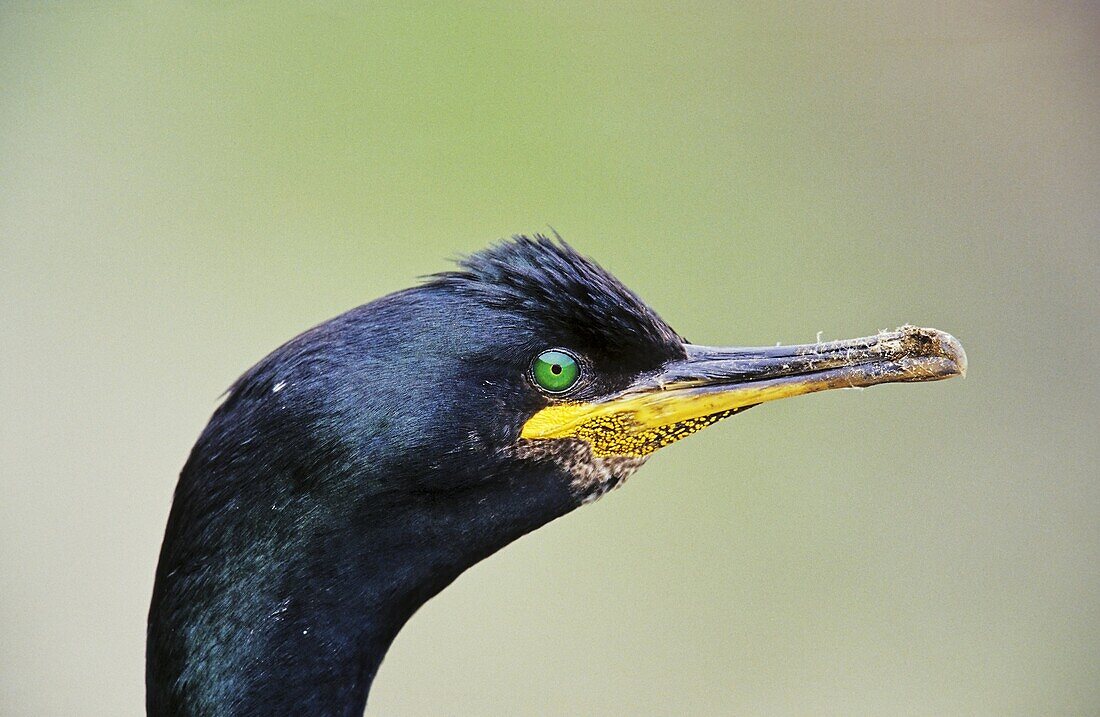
(620, 435)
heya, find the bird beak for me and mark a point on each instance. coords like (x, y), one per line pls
(712, 383)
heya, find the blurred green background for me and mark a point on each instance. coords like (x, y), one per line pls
(184, 187)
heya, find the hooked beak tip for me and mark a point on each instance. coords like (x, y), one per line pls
(913, 344)
(953, 351)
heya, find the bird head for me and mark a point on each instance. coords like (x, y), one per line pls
(495, 397)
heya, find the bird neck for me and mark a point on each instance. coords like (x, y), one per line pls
(280, 602)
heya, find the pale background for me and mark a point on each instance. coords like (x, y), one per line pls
(183, 188)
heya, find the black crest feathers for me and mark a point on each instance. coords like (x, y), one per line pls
(539, 275)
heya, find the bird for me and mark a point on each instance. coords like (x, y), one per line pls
(361, 467)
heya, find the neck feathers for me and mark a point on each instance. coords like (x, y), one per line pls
(283, 604)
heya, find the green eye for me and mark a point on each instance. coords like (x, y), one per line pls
(555, 371)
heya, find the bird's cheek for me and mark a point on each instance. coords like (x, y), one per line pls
(589, 476)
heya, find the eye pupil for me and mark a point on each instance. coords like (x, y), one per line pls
(555, 371)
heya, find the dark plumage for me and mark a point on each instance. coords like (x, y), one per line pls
(361, 467)
(352, 474)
